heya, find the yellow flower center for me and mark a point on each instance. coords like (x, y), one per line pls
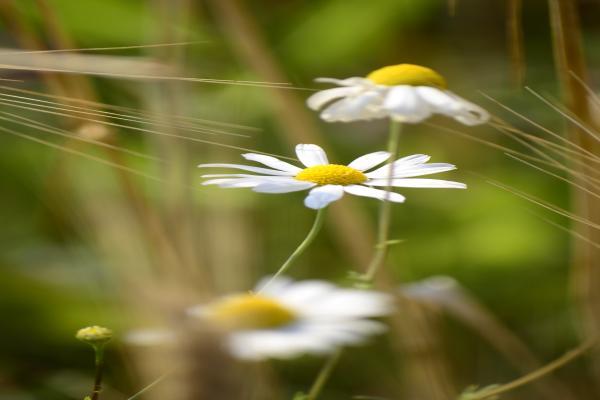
(250, 311)
(407, 74)
(331, 174)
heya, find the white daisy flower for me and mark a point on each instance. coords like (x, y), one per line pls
(328, 182)
(288, 319)
(405, 92)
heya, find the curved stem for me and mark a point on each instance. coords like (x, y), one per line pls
(323, 376)
(316, 227)
(385, 210)
(539, 373)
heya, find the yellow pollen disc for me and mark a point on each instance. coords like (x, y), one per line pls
(249, 311)
(407, 74)
(331, 174)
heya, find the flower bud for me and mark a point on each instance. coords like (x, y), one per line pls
(94, 335)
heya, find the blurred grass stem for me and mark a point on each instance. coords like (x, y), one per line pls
(150, 386)
(323, 376)
(539, 373)
(316, 227)
(570, 61)
(385, 210)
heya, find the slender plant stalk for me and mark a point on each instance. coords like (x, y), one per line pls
(385, 210)
(541, 372)
(323, 376)
(316, 227)
(572, 74)
(516, 49)
(99, 351)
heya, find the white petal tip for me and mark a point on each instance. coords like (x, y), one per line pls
(313, 206)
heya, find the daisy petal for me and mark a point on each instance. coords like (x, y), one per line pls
(235, 182)
(272, 162)
(249, 181)
(439, 101)
(273, 286)
(311, 154)
(370, 160)
(343, 304)
(350, 332)
(471, 113)
(321, 196)
(379, 194)
(366, 105)
(305, 293)
(399, 165)
(413, 159)
(424, 169)
(354, 81)
(258, 170)
(283, 187)
(219, 181)
(419, 183)
(335, 335)
(265, 177)
(282, 344)
(405, 105)
(319, 99)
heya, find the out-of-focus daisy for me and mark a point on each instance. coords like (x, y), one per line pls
(287, 319)
(328, 182)
(405, 92)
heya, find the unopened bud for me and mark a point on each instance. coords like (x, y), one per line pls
(94, 335)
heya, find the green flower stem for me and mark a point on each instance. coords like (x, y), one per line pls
(538, 373)
(316, 227)
(385, 214)
(323, 376)
(99, 351)
(385, 210)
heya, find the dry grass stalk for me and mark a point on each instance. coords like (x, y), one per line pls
(570, 62)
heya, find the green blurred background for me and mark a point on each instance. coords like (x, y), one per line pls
(60, 269)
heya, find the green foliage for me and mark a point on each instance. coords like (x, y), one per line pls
(57, 273)
(350, 30)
